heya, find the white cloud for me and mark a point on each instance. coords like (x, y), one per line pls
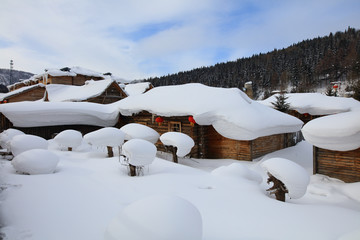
(140, 38)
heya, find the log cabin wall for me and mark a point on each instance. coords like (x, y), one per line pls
(179, 124)
(267, 144)
(80, 80)
(338, 164)
(218, 147)
(30, 95)
(67, 80)
(112, 94)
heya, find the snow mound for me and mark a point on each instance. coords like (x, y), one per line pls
(108, 136)
(295, 177)
(157, 218)
(69, 138)
(183, 142)
(237, 170)
(35, 161)
(22, 143)
(7, 135)
(339, 132)
(135, 130)
(139, 152)
(354, 235)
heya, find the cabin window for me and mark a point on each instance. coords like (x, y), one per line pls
(174, 126)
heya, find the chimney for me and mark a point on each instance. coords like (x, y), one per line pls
(248, 89)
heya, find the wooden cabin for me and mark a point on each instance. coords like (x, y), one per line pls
(29, 93)
(112, 93)
(344, 165)
(208, 142)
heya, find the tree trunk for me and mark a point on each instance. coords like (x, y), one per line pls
(110, 151)
(132, 170)
(70, 149)
(279, 188)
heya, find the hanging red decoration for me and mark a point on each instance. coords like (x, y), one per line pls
(335, 86)
(159, 120)
(192, 120)
(306, 114)
(5, 101)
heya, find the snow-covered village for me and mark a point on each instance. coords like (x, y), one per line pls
(181, 120)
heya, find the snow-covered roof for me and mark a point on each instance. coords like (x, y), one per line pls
(71, 93)
(73, 71)
(34, 114)
(18, 91)
(316, 103)
(137, 88)
(339, 132)
(230, 111)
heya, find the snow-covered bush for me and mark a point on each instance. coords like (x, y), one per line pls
(139, 153)
(180, 143)
(157, 218)
(22, 143)
(35, 161)
(7, 135)
(106, 137)
(69, 138)
(237, 170)
(140, 131)
(287, 177)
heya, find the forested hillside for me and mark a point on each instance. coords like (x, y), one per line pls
(15, 76)
(304, 66)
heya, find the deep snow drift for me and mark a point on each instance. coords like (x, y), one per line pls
(88, 191)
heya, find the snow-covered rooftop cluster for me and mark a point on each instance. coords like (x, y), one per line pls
(316, 103)
(230, 111)
(71, 93)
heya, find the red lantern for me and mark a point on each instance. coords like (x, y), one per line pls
(335, 86)
(306, 114)
(192, 120)
(5, 101)
(159, 120)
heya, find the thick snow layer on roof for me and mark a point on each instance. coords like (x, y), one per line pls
(230, 111)
(70, 93)
(34, 114)
(339, 132)
(86, 72)
(295, 177)
(72, 72)
(316, 103)
(136, 88)
(17, 91)
(58, 73)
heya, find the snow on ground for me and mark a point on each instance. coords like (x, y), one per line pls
(88, 190)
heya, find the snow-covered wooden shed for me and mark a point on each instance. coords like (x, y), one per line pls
(28, 93)
(70, 76)
(224, 123)
(308, 106)
(336, 141)
(101, 91)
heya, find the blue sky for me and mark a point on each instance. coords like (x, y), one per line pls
(137, 39)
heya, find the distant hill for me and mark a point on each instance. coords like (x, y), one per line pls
(302, 67)
(16, 76)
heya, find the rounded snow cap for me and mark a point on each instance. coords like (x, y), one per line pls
(183, 142)
(69, 138)
(140, 152)
(295, 177)
(159, 217)
(25, 142)
(35, 161)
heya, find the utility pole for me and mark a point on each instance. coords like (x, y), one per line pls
(11, 68)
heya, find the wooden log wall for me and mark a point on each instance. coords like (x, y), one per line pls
(267, 144)
(30, 95)
(67, 80)
(110, 95)
(338, 164)
(148, 119)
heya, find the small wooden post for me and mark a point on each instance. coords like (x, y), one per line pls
(132, 170)
(70, 149)
(173, 150)
(110, 151)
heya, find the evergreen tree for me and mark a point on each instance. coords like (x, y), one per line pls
(280, 104)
